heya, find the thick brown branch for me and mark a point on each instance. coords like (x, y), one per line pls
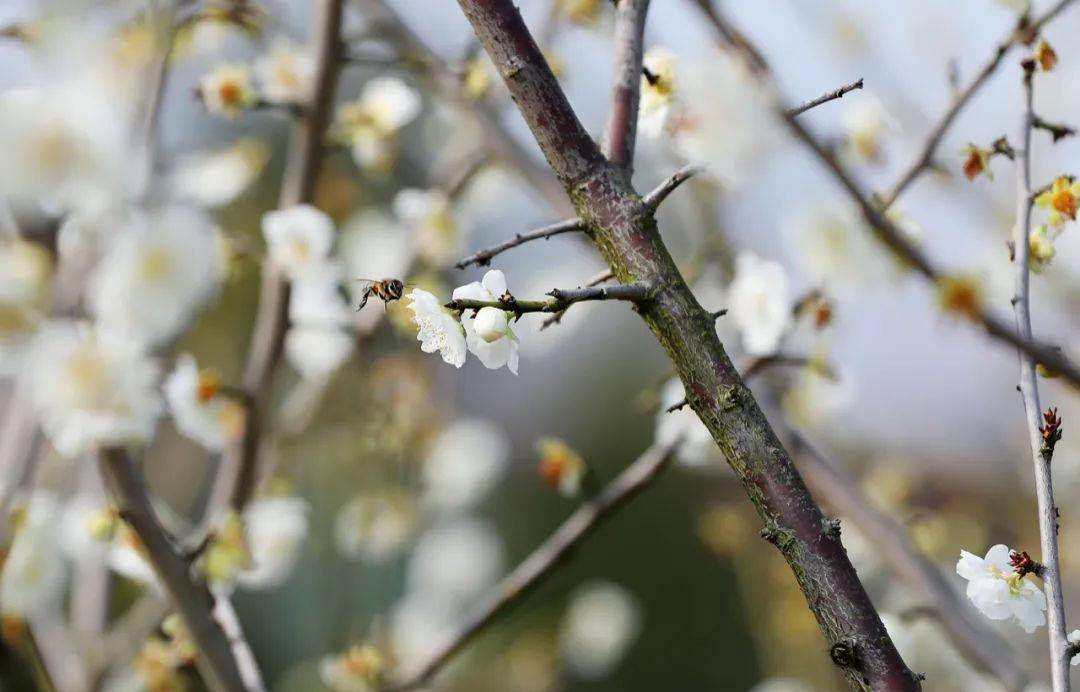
(561, 298)
(547, 557)
(825, 98)
(190, 597)
(625, 232)
(925, 159)
(621, 130)
(483, 257)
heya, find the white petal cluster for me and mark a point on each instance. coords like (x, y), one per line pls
(299, 239)
(463, 464)
(372, 245)
(318, 341)
(456, 560)
(999, 592)
(25, 269)
(369, 124)
(228, 90)
(286, 74)
(601, 624)
(92, 388)
(200, 410)
(375, 526)
(696, 447)
(866, 121)
(34, 569)
(428, 216)
(759, 303)
(495, 347)
(276, 528)
(161, 268)
(437, 330)
(215, 178)
(658, 91)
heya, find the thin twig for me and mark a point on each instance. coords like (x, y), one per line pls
(189, 596)
(1029, 392)
(561, 298)
(825, 98)
(621, 131)
(483, 257)
(543, 561)
(925, 160)
(656, 197)
(602, 277)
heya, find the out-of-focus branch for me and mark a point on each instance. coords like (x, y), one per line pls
(301, 170)
(543, 561)
(1042, 447)
(621, 130)
(448, 84)
(189, 596)
(625, 233)
(925, 159)
(888, 233)
(561, 298)
(983, 647)
(825, 98)
(484, 257)
(601, 277)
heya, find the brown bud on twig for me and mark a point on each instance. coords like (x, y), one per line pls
(1023, 563)
(1051, 431)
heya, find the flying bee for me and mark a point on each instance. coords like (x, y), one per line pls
(385, 290)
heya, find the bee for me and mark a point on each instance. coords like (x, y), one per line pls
(386, 290)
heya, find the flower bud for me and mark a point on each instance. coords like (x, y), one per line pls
(491, 324)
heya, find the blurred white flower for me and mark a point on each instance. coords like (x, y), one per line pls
(502, 351)
(697, 448)
(275, 528)
(999, 591)
(456, 560)
(419, 625)
(463, 463)
(866, 121)
(375, 526)
(63, 162)
(92, 388)
(126, 559)
(759, 303)
(298, 239)
(658, 90)
(437, 330)
(160, 269)
(369, 124)
(601, 624)
(286, 73)
(86, 526)
(228, 90)
(428, 215)
(373, 245)
(1041, 244)
(817, 394)
(318, 342)
(34, 569)
(359, 669)
(215, 178)
(25, 269)
(722, 117)
(199, 408)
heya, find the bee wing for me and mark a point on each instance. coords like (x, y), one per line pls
(366, 286)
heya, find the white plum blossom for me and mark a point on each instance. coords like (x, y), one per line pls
(299, 239)
(419, 625)
(375, 526)
(160, 269)
(318, 343)
(92, 388)
(1001, 593)
(463, 463)
(437, 330)
(286, 73)
(658, 90)
(215, 178)
(501, 351)
(369, 124)
(456, 560)
(491, 324)
(601, 624)
(759, 303)
(866, 121)
(428, 216)
(34, 569)
(275, 528)
(24, 280)
(199, 407)
(696, 447)
(228, 90)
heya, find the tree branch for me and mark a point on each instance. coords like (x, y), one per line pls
(656, 197)
(621, 130)
(602, 277)
(1029, 392)
(825, 98)
(625, 232)
(483, 257)
(561, 299)
(924, 161)
(189, 596)
(543, 561)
